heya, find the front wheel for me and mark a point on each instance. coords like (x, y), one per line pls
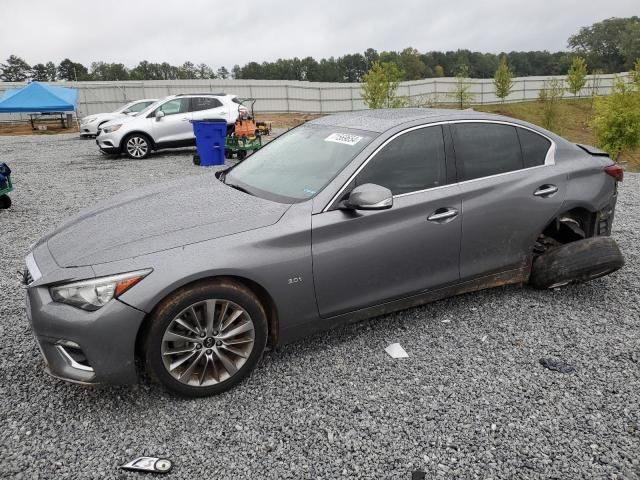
(137, 146)
(204, 339)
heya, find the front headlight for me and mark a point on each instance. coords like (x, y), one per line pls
(88, 120)
(95, 293)
(112, 128)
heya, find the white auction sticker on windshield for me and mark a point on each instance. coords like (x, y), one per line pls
(345, 138)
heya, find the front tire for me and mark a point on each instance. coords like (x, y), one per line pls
(137, 146)
(205, 339)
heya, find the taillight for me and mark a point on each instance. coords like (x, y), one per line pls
(615, 171)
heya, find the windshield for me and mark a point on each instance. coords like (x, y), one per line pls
(123, 108)
(151, 107)
(299, 164)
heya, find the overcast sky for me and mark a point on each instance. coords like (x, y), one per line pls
(228, 32)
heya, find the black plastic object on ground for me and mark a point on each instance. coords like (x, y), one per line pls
(557, 365)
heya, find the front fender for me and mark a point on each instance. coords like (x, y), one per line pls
(277, 257)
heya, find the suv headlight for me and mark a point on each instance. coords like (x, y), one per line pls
(95, 293)
(112, 128)
(88, 120)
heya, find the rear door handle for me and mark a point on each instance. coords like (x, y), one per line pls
(441, 215)
(545, 191)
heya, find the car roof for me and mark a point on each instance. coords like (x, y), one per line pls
(381, 120)
(207, 94)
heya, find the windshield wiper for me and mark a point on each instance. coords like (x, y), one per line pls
(239, 188)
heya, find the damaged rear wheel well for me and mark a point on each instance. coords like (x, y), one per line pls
(570, 226)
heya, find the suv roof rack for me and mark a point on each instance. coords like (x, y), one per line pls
(220, 94)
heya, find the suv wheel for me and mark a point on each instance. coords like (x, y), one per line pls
(204, 339)
(137, 146)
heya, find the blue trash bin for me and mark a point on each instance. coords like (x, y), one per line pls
(210, 135)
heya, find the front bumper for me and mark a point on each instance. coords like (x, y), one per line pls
(81, 346)
(88, 129)
(109, 142)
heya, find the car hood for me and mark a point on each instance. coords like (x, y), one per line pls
(101, 117)
(192, 209)
(119, 118)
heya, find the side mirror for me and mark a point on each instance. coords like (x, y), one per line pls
(159, 114)
(369, 197)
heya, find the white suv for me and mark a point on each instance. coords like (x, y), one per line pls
(166, 123)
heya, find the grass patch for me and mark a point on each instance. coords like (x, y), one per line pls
(574, 120)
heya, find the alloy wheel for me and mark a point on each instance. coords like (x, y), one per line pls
(207, 343)
(137, 147)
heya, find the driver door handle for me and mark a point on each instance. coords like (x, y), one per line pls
(545, 190)
(443, 214)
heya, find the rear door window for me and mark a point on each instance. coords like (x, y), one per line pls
(204, 103)
(534, 147)
(484, 149)
(411, 162)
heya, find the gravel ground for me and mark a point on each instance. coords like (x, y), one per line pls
(471, 401)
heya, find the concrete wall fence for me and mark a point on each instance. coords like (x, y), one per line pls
(306, 97)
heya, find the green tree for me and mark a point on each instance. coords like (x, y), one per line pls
(617, 119)
(205, 72)
(353, 67)
(503, 80)
(109, 72)
(223, 73)
(461, 92)
(15, 70)
(594, 86)
(52, 71)
(71, 71)
(577, 75)
(370, 56)
(187, 71)
(167, 71)
(635, 74)
(612, 44)
(549, 97)
(438, 71)
(39, 73)
(379, 86)
(412, 65)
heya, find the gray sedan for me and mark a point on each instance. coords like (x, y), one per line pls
(343, 218)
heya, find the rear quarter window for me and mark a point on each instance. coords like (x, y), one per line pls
(204, 103)
(484, 149)
(534, 147)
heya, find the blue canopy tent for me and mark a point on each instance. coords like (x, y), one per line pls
(40, 98)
